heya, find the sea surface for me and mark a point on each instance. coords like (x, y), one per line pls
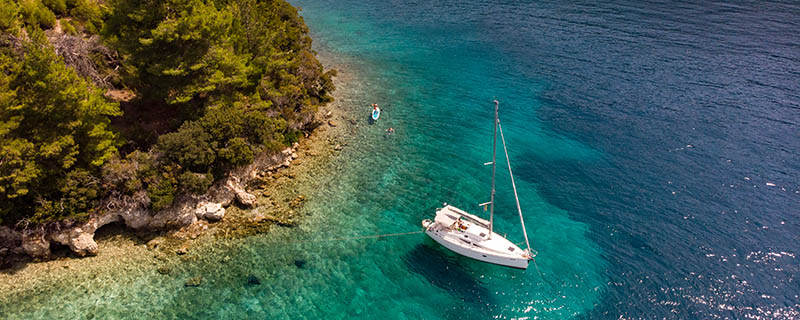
(656, 147)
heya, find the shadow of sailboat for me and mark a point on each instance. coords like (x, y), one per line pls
(445, 271)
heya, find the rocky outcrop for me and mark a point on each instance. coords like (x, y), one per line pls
(36, 245)
(134, 213)
(10, 239)
(242, 196)
(210, 211)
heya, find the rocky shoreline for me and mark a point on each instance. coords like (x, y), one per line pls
(133, 212)
(189, 215)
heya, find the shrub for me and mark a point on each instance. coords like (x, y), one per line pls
(56, 6)
(162, 193)
(235, 153)
(9, 15)
(195, 183)
(90, 13)
(36, 14)
(67, 27)
(190, 147)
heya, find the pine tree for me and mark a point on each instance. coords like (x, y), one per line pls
(54, 134)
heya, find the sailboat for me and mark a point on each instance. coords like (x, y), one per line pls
(474, 237)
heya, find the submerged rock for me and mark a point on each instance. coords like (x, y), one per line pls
(194, 282)
(184, 249)
(253, 280)
(164, 270)
(297, 202)
(300, 263)
(154, 243)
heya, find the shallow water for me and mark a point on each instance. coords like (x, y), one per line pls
(655, 147)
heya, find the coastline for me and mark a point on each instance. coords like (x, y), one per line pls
(279, 204)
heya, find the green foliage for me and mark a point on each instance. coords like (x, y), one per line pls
(236, 153)
(58, 7)
(186, 51)
(54, 134)
(233, 77)
(9, 15)
(35, 13)
(190, 147)
(195, 182)
(68, 28)
(177, 49)
(162, 192)
(89, 12)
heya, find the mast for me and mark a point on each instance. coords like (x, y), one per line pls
(494, 169)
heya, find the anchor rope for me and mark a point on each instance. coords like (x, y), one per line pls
(537, 267)
(373, 236)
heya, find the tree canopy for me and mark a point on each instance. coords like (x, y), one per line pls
(54, 133)
(234, 77)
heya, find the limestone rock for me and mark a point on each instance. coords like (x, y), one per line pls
(60, 237)
(221, 194)
(242, 196)
(82, 243)
(210, 211)
(134, 210)
(136, 218)
(35, 245)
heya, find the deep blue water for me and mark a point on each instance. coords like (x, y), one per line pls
(655, 147)
(669, 129)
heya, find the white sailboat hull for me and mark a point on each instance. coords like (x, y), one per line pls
(469, 237)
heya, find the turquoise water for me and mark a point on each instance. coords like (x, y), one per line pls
(655, 148)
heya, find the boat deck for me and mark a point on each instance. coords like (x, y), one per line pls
(471, 232)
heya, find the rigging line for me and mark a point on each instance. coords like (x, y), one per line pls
(514, 186)
(374, 236)
(537, 267)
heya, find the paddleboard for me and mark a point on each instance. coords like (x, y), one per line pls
(376, 114)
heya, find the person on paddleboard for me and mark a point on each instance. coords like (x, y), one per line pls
(376, 112)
